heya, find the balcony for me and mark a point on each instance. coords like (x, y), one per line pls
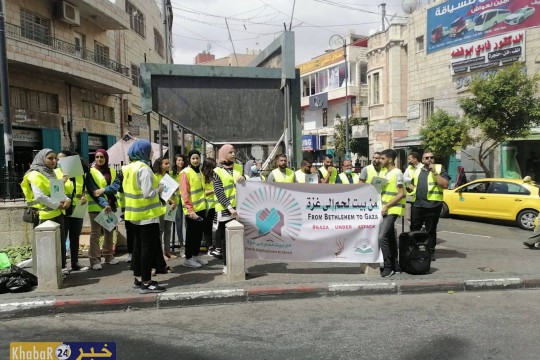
(68, 61)
(103, 13)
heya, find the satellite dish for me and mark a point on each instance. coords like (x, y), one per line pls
(409, 6)
(336, 41)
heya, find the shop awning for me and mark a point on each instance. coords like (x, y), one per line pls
(407, 141)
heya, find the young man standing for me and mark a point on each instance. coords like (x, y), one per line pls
(281, 173)
(306, 168)
(347, 176)
(393, 202)
(374, 170)
(328, 172)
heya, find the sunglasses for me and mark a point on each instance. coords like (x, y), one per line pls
(429, 157)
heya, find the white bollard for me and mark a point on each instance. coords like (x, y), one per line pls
(234, 239)
(48, 257)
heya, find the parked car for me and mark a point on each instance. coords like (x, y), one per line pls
(489, 18)
(519, 15)
(495, 198)
(459, 27)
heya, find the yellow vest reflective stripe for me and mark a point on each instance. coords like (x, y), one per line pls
(372, 172)
(42, 182)
(390, 190)
(345, 179)
(101, 183)
(210, 199)
(228, 186)
(333, 176)
(434, 192)
(300, 176)
(137, 207)
(196, 191)
(288, 177)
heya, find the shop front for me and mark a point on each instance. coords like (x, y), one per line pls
(27, 141)
(89, 143)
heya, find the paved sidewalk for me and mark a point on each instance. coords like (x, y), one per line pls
(464, 263)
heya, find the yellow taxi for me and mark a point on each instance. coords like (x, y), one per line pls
(495, 198)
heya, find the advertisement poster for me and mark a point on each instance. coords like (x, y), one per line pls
(456, 22)
(303, 222)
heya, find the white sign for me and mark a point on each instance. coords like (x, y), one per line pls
(71, 166)
(413, 111)
(25, 135)
(80, 210)
(359, 131)
(95, 141)
(170, 186)
(302, 222)
(108, 220)
(57, 190)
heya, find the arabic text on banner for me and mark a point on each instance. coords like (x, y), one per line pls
(302, 222)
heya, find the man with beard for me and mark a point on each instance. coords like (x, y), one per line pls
(347, 176)
(306, 168)
(329, 172)
(281, 173)
(373, 170)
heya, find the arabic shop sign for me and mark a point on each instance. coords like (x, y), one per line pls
(456, 22)
(487, 53)
(322, 61)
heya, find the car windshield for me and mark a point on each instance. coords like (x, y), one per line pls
(479, 20)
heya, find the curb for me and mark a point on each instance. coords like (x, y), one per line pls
(52, 306)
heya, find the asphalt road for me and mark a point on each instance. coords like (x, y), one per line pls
(483, 325)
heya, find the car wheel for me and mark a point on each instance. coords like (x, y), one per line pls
(444, 210)
(525, 219)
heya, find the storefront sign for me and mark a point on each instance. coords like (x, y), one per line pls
(322, 61)
(491, 52)
(96, 141)
(26, 136)
(310, 143)
(455, 22)
(307, 222)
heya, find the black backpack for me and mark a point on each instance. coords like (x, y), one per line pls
(414, 256)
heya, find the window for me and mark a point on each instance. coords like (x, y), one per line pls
(158, 42)
(33, 101)
(35, 27)
(135, 74)
(136, 18)
(102, 54)
(375, 89)
(479, 187)
(98, 112)
(363, 73)
(427, 109)
(420, 43)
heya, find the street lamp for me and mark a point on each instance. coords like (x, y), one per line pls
(335, 42)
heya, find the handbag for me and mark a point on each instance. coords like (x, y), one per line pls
(30, 215)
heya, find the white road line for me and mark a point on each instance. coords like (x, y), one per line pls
(458, 233)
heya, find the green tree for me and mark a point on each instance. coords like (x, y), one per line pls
(501, 107)
(356, 146)
(445, 134)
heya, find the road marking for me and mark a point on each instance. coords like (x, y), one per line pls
(458, 233)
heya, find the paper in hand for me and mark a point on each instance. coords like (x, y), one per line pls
(170, 186)
(71, 166)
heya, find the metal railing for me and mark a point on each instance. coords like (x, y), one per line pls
(19, 33)
(10, 180)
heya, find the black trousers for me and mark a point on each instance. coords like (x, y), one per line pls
(208, 223)
(145, 238)
(221, 236)
(428, 217)
(194, 234)
(129, 236)
(73, 228)
(388, 242)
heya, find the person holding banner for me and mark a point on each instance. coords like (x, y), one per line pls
(374, 170)
(281, 173)
(226, 176)
(347, 176)
(393, 202)
(194, 207)
(328, 172)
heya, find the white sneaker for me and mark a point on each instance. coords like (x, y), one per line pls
(225, 270)
(97, 267)
(200, 260)
(129, 258)
(191, 263)
(114, 261)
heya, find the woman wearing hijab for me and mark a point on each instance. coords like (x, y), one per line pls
(180, 163)
(36, 186)
(226, 176)
(194, 207)
(100, 197)
(143, 209)
(208, 182)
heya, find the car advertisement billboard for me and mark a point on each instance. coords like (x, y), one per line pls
(456, 22)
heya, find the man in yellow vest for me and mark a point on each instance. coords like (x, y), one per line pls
(429, 184)
(374, 170)
(281, 173)
(347, 176)
(415, 164)
(393, 203)
(306, 168)
(328, 171)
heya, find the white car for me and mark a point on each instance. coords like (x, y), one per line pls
(520, 15)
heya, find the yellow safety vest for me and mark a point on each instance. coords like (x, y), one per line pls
(412, 171)
(333, 176)
(42, 182)
(210, 199)
(435, 192)
(137, 207)
(288, 177)
(196, 191)
(390, 190)
(345, 179)
(176, 195)
(100, 181)
(371, 173)
(228, 186)
(300, 176)
(68, 186)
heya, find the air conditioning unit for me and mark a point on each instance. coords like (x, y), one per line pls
(68, 13)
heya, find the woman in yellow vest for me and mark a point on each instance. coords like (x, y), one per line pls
(143, 209)
(208, 182)
(393, 203)
(162, 167)
(194, 207)
(180, 163)
(100, 197)
(74, 189)
(36, 187)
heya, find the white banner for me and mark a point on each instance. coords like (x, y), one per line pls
(310, 222)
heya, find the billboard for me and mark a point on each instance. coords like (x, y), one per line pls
(456, 22)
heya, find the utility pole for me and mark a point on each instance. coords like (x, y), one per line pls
(4, 89)
(383, 11)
